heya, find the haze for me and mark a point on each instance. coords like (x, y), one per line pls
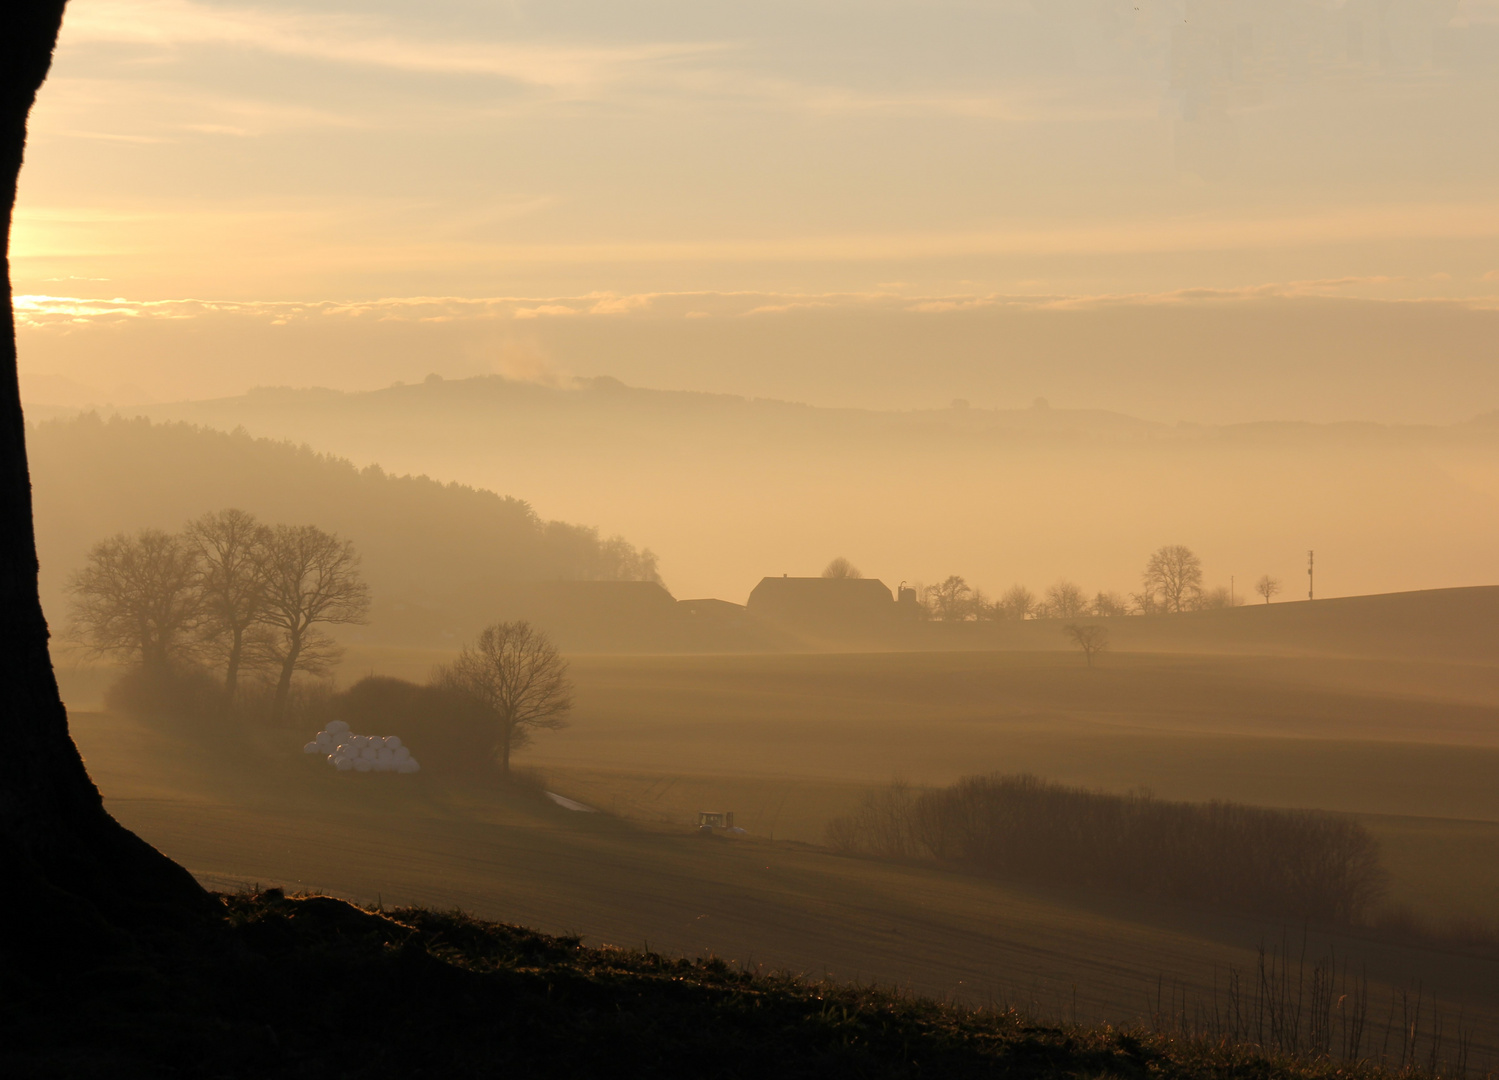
(1188, 211)
(867, 417)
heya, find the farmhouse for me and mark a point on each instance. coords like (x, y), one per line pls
(824, 603)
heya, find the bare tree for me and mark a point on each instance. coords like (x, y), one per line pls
(1216, 598)
(232, 550)
(1173, 577)
(841, 568)
(1108, 605)
(951, 600)
(137, 599)
(1065, 600)
(1018, 602)
(980, 608)
(1267, 587)
(517, 674)
(73, 872)
(1088, 637)
(311, 580)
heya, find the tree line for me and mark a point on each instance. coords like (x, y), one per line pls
(1283, 863)
(1172, 581)
(226, 592)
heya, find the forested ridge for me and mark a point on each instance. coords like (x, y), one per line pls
(439, 547)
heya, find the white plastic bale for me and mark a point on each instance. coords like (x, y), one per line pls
(312, 748)
(337, 727)
(385, 754)
(369, 753)
(343, 764)
(325, 739)
(401, 753)
(385, 765)
(407, 765)
(393, 741)
(363, 765)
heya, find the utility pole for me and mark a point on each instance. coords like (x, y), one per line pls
(1311, 557)
(1230, 590)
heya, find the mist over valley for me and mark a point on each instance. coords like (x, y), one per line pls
(725, 489)
(829, 540)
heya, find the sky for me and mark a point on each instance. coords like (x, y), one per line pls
(744, 197)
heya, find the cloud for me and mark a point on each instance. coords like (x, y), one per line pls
(790, 305)
(544, 309)
(576, 69)
(610, 304)
(1153, 235)
(153, 111)
(41, 312)
(362, 40)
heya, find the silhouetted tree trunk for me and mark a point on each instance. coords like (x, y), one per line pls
(293, 653)
(70, 871)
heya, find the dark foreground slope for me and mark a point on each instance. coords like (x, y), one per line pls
(315, 987)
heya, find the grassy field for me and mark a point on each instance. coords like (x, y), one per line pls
(1442, 870)
(788, 742)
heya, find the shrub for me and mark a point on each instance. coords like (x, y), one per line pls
(179, 693)
(1292, 863)
(308, 705)
(883, 825)
(447, 730)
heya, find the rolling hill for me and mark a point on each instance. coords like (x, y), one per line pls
(440, 558)
(728, 489)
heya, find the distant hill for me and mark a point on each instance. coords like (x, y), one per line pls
(441, 559)
(597, 412)
(730, 489)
